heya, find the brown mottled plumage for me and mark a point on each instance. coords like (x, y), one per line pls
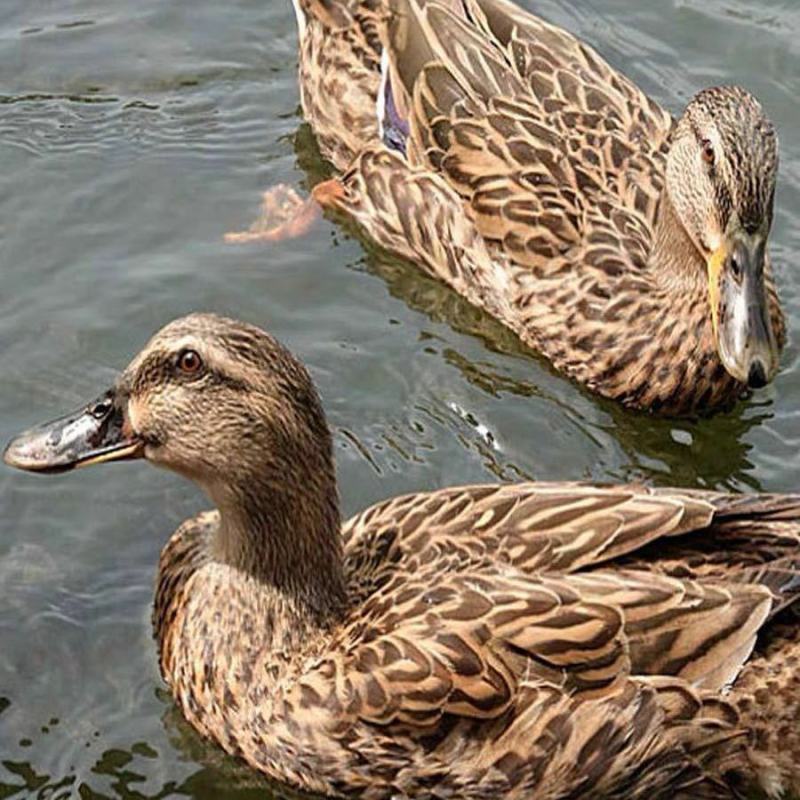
(545, 187)
(532, 640)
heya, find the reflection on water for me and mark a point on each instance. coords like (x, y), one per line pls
(124, 771)
(132, 136)
(661, 451)
(699, 453)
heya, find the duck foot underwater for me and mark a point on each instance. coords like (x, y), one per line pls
(540, 640)
(285, 215)
(509, 160)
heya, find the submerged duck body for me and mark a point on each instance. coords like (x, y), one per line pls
(537, 640)
(509, 160)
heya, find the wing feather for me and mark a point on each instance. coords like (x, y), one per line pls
(536, 527)
(543, 141)
(587, 583)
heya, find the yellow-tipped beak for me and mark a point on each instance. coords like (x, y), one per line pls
(716, 262)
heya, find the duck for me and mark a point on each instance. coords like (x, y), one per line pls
(508, 159)
(545, 640)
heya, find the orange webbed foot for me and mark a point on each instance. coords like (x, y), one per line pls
(285, 215)
(328, 192)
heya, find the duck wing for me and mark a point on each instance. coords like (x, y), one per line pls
(568, 75)
(570, 638)
(566, 527)
(564, 684)
(692, 575)
(545, 151)
(534, 527)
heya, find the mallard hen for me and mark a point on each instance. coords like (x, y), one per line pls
(511, 161)
(537, 640)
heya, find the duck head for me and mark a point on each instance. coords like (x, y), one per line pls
(226, 405)
(721, 174)
(213, 399)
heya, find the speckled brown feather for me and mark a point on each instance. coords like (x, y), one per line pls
(533, 184)
(339, 66)
(548, 640)
(499, 639)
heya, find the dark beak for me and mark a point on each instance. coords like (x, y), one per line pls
(92, 435)
(740, 308)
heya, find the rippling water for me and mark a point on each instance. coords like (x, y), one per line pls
(132, 136)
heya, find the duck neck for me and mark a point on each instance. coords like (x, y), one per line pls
(676, 262)
(286, 536)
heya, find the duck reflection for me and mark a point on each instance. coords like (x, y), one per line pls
(132, 772)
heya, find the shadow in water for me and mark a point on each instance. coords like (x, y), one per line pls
(694, 452)
(121, 773)
(219, 772)
(709, 452)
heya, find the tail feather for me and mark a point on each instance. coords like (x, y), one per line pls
(781, 577)
(775, 507)
(751, 539)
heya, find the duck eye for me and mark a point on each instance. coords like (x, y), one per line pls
(189, 362)
(708, 151)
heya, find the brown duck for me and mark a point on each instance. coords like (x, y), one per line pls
(537, 640)
(512, 162)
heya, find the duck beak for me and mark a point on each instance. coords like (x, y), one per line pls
(92, 435)
(740, 310)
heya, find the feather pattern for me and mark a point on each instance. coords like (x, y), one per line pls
(548, 173)
(567, 639)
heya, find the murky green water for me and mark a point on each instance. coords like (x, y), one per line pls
(132, 136)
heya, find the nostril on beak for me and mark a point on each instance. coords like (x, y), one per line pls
(757, 377)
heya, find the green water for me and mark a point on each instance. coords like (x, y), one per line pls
(132, 136)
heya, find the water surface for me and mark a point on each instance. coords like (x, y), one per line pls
(132, 136)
